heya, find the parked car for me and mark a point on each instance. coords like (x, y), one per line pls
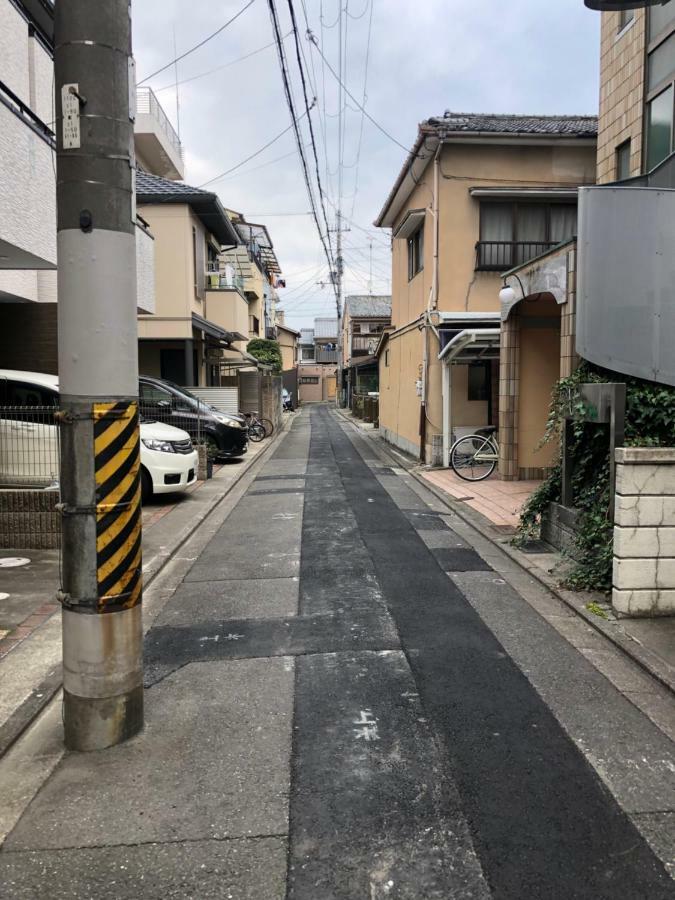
(225, 434)
(29, 439)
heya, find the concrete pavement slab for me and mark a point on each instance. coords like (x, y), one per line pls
(243, 869)
(213, 762)
(254, 598)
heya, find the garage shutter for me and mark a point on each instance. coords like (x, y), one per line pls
(249, 391)
(224, 399)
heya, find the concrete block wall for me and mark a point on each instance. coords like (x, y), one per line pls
(29, 520)
(644, 532)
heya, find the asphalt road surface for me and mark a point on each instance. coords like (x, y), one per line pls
(345, 700)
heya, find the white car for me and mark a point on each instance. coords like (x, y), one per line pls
(29, 453)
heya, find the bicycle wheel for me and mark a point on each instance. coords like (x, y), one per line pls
(268, 425)
(256, 433)
(473, 458)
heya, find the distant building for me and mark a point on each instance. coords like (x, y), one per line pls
(317, 369)
(365, 318)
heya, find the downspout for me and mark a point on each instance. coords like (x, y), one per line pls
(431, 305)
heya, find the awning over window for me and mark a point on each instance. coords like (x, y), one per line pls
(533, 193)
(471, 345)
(410, 224)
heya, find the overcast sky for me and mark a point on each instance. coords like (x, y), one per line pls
(510, 56)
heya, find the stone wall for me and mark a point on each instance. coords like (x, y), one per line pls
(29, 520)
(644, 532)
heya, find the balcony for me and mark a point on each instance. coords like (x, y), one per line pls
(364, 344)
(625, 278)
(217, 280)
(158, 147)
(498, 256)
(325, 356)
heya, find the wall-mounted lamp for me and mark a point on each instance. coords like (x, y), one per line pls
(507, 294)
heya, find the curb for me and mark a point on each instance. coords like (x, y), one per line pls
(649, 661)
(26, 713)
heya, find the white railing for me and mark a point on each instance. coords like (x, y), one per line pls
(148, 104)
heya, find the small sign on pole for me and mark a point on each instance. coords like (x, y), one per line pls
(70, 108)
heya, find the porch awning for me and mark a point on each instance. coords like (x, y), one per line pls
(471, 345)
(211, 330)
(410, 224)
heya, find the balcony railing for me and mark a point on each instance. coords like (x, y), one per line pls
(148, 104)
(222, 281)
(326, 356)
(498, 256)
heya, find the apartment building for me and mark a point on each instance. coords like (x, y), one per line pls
(317, 367)
(478, 195)
(28, 288)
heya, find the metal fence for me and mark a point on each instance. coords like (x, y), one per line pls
(29, 446)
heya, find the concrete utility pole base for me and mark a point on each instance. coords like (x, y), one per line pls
(102, 678)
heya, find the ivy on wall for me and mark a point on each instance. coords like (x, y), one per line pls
(650, 422)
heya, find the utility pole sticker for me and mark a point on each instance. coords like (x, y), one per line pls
(70, 109)
(367, 730)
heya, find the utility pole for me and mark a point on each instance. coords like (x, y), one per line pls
(340, 270)
(98, 373)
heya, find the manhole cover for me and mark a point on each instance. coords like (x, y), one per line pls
(10, 562)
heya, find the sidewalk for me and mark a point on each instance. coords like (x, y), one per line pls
(491, 507)
(30, 648)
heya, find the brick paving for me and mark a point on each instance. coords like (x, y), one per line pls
(499, 501)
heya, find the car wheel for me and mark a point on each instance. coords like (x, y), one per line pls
(146, 486)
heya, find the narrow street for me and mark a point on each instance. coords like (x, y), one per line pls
(345, 700)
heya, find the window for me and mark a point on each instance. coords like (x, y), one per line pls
(415, 253)
(625, 16)
(479, 373)
(309, 379)
(511, 233)
(659, 128)
(152, 395)
(254, 324)
(194, 256)
(307, 353)
(661, 19)
(623, 161)
(386, 358)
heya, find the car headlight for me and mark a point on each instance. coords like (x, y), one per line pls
(163, 446)
(227, 420)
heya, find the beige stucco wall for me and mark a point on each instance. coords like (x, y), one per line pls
(324, 390)
(287, 343)
(228, 310)
(621, 92)
(460, 287)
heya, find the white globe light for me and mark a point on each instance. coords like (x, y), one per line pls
(507, 295)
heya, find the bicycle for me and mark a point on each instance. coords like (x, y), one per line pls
(258, 428)
(475, 456)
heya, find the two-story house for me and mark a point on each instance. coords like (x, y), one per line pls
(477, 195)
(196, 319)
(365, 316)
(254, 262)
(612, 287)
(317, 366)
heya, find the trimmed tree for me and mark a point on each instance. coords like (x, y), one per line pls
(268, 352)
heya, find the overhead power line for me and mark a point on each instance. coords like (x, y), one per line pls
(312, 37)
(226, 65)
(325, 239)
(200, 44)
(252, 156)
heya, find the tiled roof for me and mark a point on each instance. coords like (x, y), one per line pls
(155, 186)
(489, 123)
(152, 189)
(364, 305)
(325, 328)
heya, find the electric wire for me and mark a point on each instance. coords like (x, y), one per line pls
(364, 101)
(252, 156)
(296, 38)
(200, 44)
(325, 241)
(219, 68)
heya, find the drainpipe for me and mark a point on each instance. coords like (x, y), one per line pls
(431, 305)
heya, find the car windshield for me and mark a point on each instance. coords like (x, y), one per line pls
(186, 393)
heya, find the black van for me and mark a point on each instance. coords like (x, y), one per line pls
(225, 435)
